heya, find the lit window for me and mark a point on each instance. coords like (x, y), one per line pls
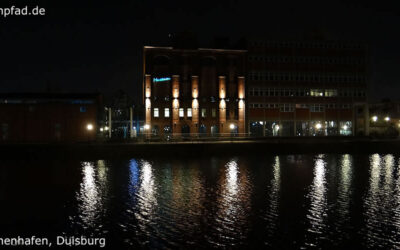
(203, 112)
(189, 112)
(213, 112)
(166, 112)
(316, 92)
(156, 112)
(181, 112)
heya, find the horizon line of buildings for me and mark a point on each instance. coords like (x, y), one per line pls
(271, 88)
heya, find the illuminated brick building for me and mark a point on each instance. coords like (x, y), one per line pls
(194, 91)
(307, 88)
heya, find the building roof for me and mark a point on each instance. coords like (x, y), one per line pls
(46, 97)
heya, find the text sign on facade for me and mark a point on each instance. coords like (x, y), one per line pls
(161, 79)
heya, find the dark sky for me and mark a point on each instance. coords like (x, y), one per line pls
(86, 46)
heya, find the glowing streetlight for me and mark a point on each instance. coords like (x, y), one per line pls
(105, 128)
(232, 126)
(345, 127)
(89, 127)
(374, 118)
(318, 126)
(147, 127)
(387, 118)
(101, 129)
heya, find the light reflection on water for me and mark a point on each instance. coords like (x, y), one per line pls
(223, 202)
(381, 210)
(272, 211)
(317, 212)
(92, 195)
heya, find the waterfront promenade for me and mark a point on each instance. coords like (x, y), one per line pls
(278, 145)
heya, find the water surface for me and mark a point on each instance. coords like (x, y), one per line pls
(276, 201)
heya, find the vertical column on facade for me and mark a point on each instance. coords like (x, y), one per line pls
(195, 105)
(242, 106)
(222, 104)
(148, 104)
(176, 126)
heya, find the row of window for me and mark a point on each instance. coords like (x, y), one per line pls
(306, 59)
(289, 107)
(181, 112)
(305, 77)
(301, 92)
(307, 45)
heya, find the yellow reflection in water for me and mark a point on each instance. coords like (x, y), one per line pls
(146, 194)
(92, 191)
(318, 208)
(232, 179)
(346, 174)
(233, 204)
(371, 201)
(275, 189)
(272, 212)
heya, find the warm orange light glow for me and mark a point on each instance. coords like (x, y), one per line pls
(195, 104)
(148, 103)
(175, 104)
(241, 104)
(222, 88)
(222, 104)
(195, 87)
(148, 86)
(241, 89)
(175, 86)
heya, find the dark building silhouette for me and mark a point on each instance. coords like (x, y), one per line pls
(48, 117)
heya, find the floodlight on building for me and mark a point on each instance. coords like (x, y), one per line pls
(345, 127)
(387, 118)
(374, 118)
(232, 126)
(318, 126)
(147, 127)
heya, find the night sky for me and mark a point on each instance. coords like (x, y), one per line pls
(93, 46)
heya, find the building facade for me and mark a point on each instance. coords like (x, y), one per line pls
(307, 88)
(46, 117)
(194, 91)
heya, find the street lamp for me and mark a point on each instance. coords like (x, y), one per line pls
(345, 127)
(318, 126)
(89, 127)
(101, 129)
(374, 118)
(232, 126)
(146, 126)
(105, 128)
(387, 118)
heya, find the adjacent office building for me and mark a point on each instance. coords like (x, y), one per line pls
(307, 88)
(194, 91)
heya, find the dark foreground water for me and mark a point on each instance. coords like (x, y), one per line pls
(281, 201)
